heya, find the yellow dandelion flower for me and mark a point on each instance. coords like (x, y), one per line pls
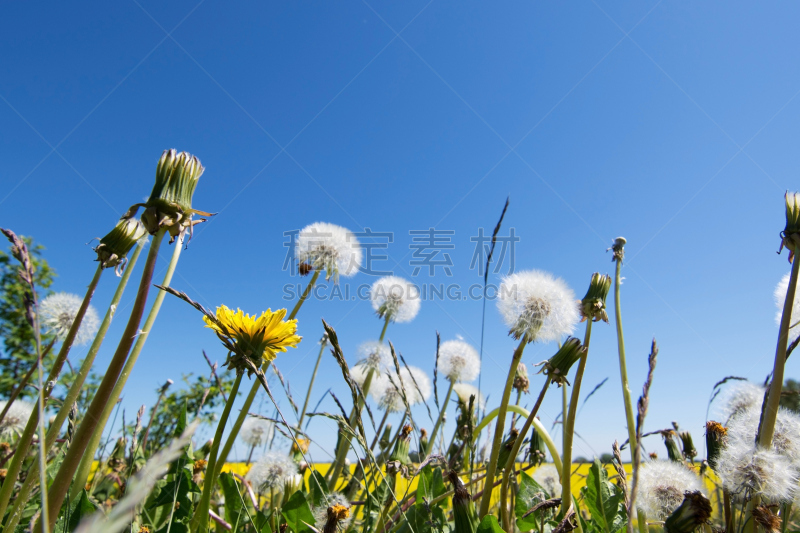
(255, 338)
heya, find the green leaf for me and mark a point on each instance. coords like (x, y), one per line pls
(530, 493)
(489, 524)
(297, 513)
(177, 492)
(604, 500)
(234, 506)
(77, 511)
(430, 484)
(176, 527)
(317, 487)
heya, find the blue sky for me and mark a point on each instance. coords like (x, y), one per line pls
(674, 124)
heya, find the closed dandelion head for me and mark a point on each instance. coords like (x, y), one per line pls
(780, 298)
(328, 247)
(341, 506)
(57, 312)
(255, 339)
(694, 511)
(662, 485)
(465, 390)
(375, 355)
(792, 229)
(537, 306)
(395, 298)
(747, 470)
(256, 431)
(548, 477)
(16, 418)
(459, 361)
(113, 249)
(619, 248)
(521, 381)
(271, 471)
(558, 366)
(716, 439)
(593, 305)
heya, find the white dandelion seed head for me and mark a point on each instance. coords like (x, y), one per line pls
(458, 361)
(385, 390)
(661, 487)
(395, 296)
(329, 247)
(16, 418)
(537, 305)
(375, 355)
(465, 390)
(320, 511)
(271, 471)
(780, 299)
(738, 397)
(743, 430)
(57, 312)
(358, 373)
(256, 431)
(747, 470)
(547, 476)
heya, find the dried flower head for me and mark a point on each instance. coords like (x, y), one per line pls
(747, 470)
(113, 249)
(57, 312)
(558, 366)
(256, 431)
(328, 247)
(396, 298)
(16, 418)
(375, 355)
(694, 511)
(619, 248)
(766, 520)
(780, 299)
(253, 338)
(549, 478)
(537, 306)
(335, 500)
(458, 361)
(662, 485)
(271, 471)
(465, 390)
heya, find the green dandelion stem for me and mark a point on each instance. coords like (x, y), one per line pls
(439, 420)
(623, 367)
(311, 384)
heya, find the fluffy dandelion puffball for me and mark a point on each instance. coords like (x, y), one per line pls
(747, 470)
(661, 487)
(375, 355)
(780, 299)
(329, 247)
(57, 312)
(320, 511)
(395, 297)
(743, 430)
(359, 374)
(465, 390)
(537, 306)
(256, 431)
(271, 471)
(386, 391)
(548, 477)
(458, 361)
(738, 397)
(16, 418)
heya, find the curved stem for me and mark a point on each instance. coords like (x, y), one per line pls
(200, 519)
(491, 468)
(438, 424)
(304, 296)
(623, 368)
(509, 466)
(569, 425)
(142, 335)
(24, 442)
(75, 389)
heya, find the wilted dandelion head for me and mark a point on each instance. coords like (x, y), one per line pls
(396, 298)
(661, 487)
(738, 397)
(16, 418)
(465, 390)
(458, 361)
(375, 355)
(547, 476)
(271, 471)
(747, 470)
(780, 299)
(256, 431)
(57, 312)
(385, 390)
(537, 306)
(334, 499)
(329, 247)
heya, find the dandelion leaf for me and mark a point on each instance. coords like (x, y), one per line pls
(489, 524)
(234, 503)
(430, 484)
(317, 487)
(530, 493)
(297, 513)
(604, 500)
(73, 513)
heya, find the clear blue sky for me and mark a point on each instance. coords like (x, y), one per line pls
(675, 124)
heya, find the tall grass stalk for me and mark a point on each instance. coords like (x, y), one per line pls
(491, 467)
(75, 389)
(61, 483)
(85, 466)
(323, 343)
(569, 424)
(26, 437)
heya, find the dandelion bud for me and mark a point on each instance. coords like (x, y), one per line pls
(170, 202)
(558, 366)
(694, 511)
(716, 435)
(521, 381)
(619, 249)
(292, 484)
(114, 247)
(792, 222)
(505, 450)
(593, 305)
(336, 514)
(673, 451)
(688, 446)
(464, 516)
(769, 522)
(298, 451)
(423, 442)
(536, 450)
(402, 446)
